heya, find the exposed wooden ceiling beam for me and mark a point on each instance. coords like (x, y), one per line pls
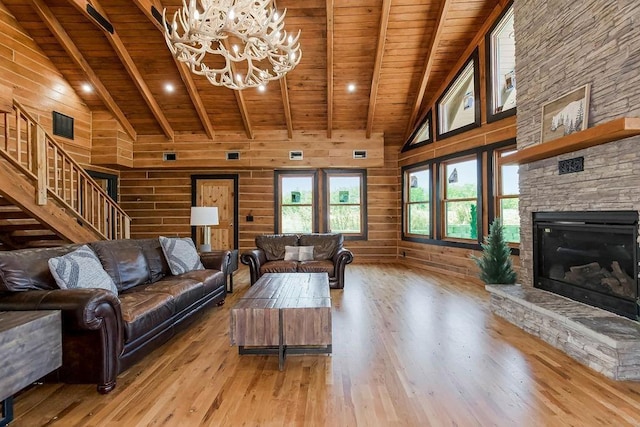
(242, 106)
(375, 81)
(127, 61)
(76, 56)
(284, 88)
(187, 78)
(426, 71)
(329, 67)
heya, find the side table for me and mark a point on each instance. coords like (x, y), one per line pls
(30, 348)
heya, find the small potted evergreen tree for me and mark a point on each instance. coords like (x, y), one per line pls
(495, 263)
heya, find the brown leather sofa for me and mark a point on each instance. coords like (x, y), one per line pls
(103, 333)
(329, 256)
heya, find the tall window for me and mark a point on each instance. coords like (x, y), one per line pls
(418, 202)
(507, 192)
(460, 202)
(501, 58)
(296, 202)
(458, 108)
(346, 202)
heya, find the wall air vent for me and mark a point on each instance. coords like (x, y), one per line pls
(99, 18)
(62, 125)
(169, 157)
(359, 154)
(233, 155)
(295, 155)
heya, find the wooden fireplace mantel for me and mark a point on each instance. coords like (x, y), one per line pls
(601, 134)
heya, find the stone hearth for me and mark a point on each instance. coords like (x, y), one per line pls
(599, 339)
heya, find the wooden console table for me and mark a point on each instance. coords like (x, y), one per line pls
(284, 313)
(30, 348)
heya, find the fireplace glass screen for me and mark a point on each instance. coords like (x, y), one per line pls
(591, 259)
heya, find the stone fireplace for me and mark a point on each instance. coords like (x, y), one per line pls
(590, 257)
(560, 46)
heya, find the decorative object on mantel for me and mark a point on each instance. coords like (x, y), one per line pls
(234, 43)
(566, 115)
(613, 130)
(495, 262)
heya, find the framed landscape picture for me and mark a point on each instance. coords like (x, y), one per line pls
(566, 115)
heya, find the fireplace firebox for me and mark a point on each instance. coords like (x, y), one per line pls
(590, 257)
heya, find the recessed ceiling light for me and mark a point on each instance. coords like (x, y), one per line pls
(169, 88)
(87, 87)
(351, 87)
(262, 88)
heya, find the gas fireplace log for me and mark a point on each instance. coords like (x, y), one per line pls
(587, 269)
(613, 284)
(626, 281)
(583, 275)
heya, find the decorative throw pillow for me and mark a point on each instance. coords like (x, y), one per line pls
(305, 253)
(291, 253)
(80, 269)
(181, 254)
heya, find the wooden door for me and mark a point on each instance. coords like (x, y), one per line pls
(218, 192)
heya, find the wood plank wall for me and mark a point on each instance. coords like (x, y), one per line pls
(450, 260)
(269, 150)
(40, 87)
(111, 146)
(159, 200)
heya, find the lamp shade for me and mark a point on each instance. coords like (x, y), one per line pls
(204, 215)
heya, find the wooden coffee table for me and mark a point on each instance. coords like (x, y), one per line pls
(284, 313)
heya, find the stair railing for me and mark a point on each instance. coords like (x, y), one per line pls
(42, 159)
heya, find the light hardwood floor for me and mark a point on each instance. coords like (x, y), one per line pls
(410, 348)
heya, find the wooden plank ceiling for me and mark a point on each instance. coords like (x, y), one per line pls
(396, 52)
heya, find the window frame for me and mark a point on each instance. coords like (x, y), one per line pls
(406, 235)
(490, 63)
(442, 201)
(278, 175)
(410, 144)
(495, 174)
(326, 203)
(486, 204)
(474, 59)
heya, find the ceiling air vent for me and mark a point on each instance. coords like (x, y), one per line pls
(359, 154)
(295, 155)
(233, 155)
(99, 18)
(169, 157)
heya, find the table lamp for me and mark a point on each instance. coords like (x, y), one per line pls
(205, 216)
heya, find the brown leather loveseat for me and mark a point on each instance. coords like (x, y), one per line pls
(326, 254)
(104, 333)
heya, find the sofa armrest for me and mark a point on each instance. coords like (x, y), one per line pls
(216, 260)
(343, 256)
(88, 316)
(254, 259)
(81, 308)
(340, 260)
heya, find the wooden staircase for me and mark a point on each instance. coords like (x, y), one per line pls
(46, 197)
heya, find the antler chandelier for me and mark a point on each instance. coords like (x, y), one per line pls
(234, 43)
